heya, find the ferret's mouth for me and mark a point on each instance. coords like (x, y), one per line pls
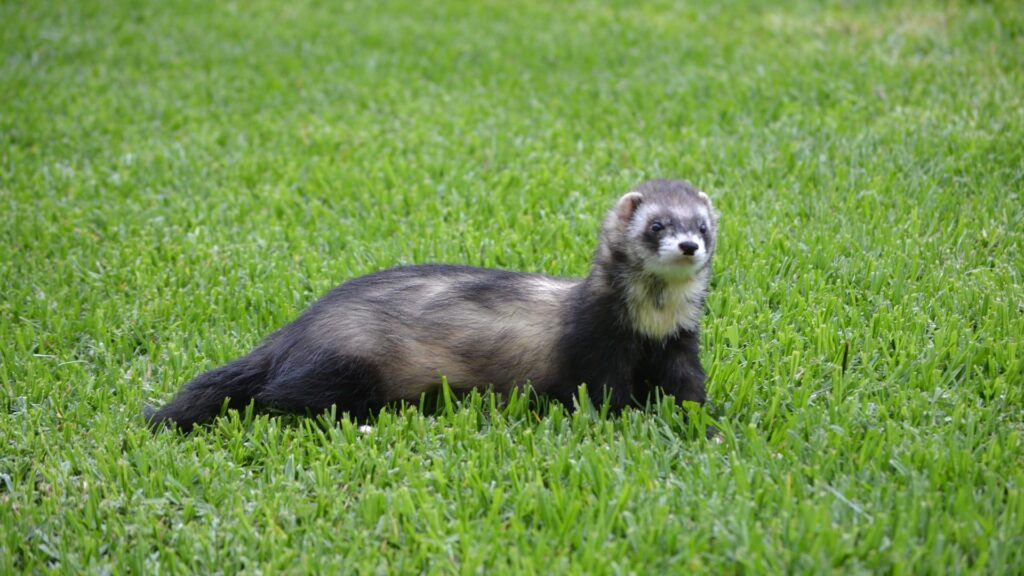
(680, 257)
(677, 259)
(676, 265)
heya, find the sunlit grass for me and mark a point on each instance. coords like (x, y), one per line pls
(179, 179)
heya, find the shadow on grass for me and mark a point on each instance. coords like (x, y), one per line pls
(488, 408)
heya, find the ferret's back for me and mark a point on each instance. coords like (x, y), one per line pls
(419, 323)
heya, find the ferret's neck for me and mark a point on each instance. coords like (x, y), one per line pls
(649, 305)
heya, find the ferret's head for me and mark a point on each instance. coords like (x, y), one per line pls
(665, 227)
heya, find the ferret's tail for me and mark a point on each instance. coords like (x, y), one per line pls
(201, 399)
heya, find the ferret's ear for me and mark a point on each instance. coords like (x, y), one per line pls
(627, 206)
(715, 215)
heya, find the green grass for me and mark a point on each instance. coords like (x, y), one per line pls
(178, 179)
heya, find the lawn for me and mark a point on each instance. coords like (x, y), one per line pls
(178, 179)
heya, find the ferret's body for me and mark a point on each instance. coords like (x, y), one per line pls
(630, 327)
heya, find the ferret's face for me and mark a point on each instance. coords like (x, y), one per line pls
(673, 242)
(666, 227)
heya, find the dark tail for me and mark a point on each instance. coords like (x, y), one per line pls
(201, 399)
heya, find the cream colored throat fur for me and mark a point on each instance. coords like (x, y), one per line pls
(659, 308)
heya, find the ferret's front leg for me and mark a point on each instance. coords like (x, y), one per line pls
(677, 369)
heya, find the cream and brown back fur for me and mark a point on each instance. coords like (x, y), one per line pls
(468, 325)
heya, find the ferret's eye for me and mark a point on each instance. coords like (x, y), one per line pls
(703, 228)
(657, 227)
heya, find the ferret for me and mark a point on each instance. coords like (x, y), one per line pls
(629, 328)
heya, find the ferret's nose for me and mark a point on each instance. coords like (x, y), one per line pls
(688, 248)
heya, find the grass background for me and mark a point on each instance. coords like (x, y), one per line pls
(178, 179)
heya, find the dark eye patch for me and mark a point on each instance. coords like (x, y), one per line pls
(652, 234)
